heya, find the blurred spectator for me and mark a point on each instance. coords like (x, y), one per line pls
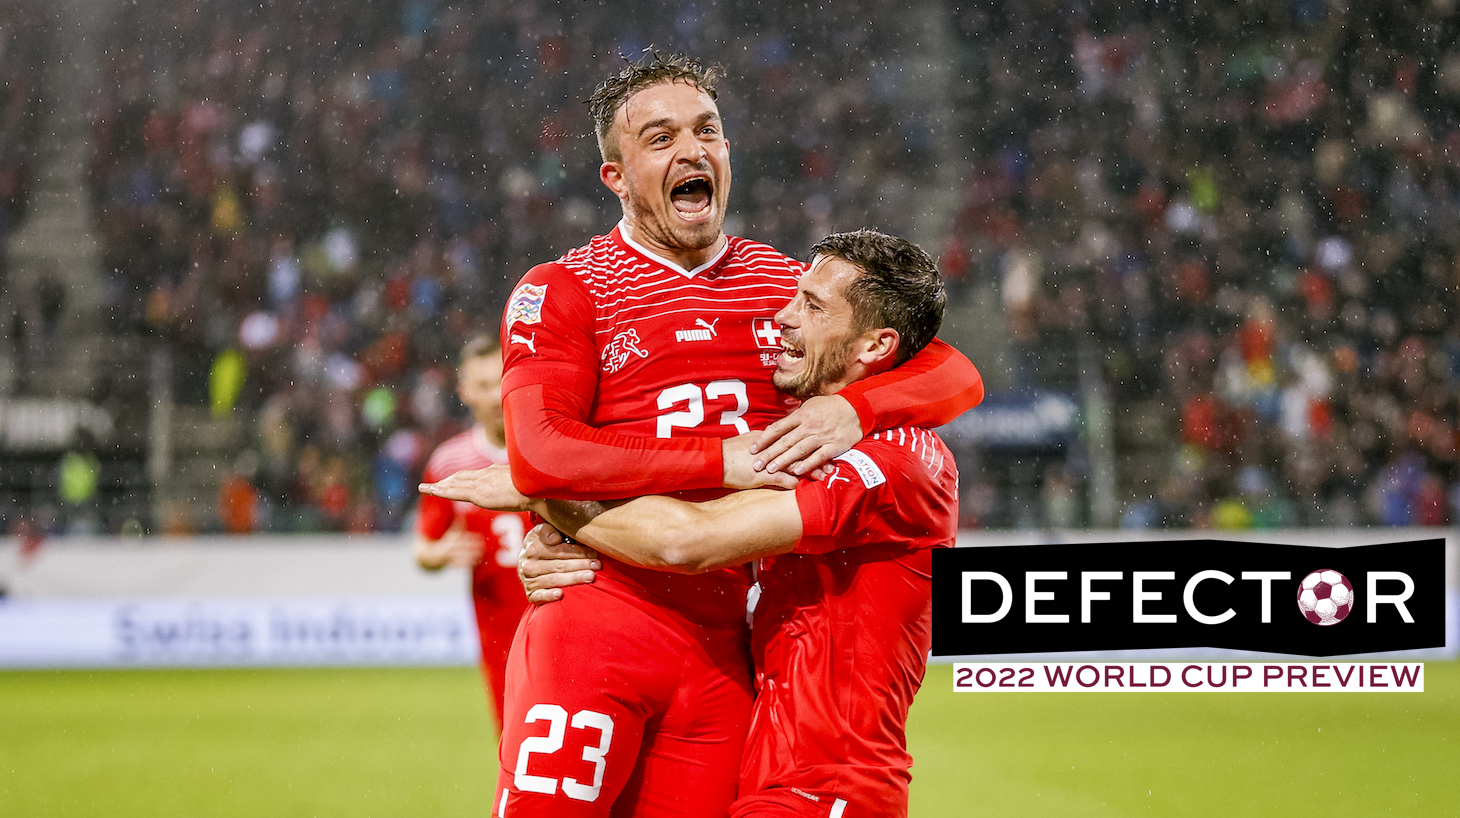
(77, 476)
(238, 500)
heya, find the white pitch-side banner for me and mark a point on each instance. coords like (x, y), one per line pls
(239, 631)
(1189, 677)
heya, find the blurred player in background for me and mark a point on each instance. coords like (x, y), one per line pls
(637, 364)
(842, 628)
(467, 536)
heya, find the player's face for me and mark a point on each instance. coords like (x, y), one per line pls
(674, 175)
(818, 341)
(479, 384)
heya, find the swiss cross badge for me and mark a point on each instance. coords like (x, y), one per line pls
(767, 333)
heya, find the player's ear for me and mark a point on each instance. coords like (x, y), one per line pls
(612, 176)
(879, 347)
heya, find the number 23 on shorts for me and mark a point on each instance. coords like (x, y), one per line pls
(551, 743)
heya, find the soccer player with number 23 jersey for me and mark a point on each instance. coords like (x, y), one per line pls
(629, 362)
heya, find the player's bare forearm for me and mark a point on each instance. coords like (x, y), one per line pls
(570, 515)
(671, 535)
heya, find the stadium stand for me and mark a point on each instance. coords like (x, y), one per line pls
(1232, 226)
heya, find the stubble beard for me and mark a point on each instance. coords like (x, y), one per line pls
(818, 373)
(676, 236)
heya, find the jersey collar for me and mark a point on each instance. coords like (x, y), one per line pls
(623, 234)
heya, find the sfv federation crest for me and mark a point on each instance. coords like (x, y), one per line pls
(618, 351)
(526, 305)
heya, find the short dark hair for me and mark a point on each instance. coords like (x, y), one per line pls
(899, 286)
(480, 346)
(652, 69)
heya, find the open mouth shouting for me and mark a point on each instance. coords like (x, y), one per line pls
(790, 352)
(693, 198)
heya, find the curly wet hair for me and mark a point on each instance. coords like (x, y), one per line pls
(653, 68)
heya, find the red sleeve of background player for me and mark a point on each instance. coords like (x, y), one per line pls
(901, 491)
(930, 389)
(434, 515)
(550, 375)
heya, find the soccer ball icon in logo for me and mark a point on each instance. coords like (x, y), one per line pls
(1325, 597)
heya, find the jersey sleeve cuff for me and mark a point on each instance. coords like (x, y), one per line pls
(865, 413)
(817, 519)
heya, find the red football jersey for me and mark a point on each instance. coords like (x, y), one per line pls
(503, 531)
(662, 434)
(842, 629)
(662, 353)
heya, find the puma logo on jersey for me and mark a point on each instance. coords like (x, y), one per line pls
(623, 346)
(705, 332)
(530, 343)
(836, 475)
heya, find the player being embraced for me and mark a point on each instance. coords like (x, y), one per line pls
(842, 628)
(635, 365)
(466, 536)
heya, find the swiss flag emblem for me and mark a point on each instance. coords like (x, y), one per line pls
(767, 333)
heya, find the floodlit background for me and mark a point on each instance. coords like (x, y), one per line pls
(1206, 255)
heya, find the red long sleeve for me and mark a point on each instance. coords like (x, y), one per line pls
(932, 388)
(556, 454)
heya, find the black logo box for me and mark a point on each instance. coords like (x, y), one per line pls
(1112, 626)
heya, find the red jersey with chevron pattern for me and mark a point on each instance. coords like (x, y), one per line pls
(664, 352)
(843, 629)
(658, 351)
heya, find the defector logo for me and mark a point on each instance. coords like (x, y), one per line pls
(1189, 593)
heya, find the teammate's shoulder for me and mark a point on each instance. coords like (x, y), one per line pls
(750, 251)
(899, 448)
(460, 451)
(902, 438)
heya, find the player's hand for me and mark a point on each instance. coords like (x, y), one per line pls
(462, 548)
(550, 562)
(802, 442)
(456, 547)
(491, 488)
(740, 472)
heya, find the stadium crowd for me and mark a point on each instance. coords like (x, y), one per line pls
(22, 49)
(1248, 210)
(314, 204)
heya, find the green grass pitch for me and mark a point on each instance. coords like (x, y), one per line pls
(410, 742)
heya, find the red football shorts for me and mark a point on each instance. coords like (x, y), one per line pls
(617, 707)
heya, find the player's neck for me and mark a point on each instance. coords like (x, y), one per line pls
(687, 261)
(495, 435)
